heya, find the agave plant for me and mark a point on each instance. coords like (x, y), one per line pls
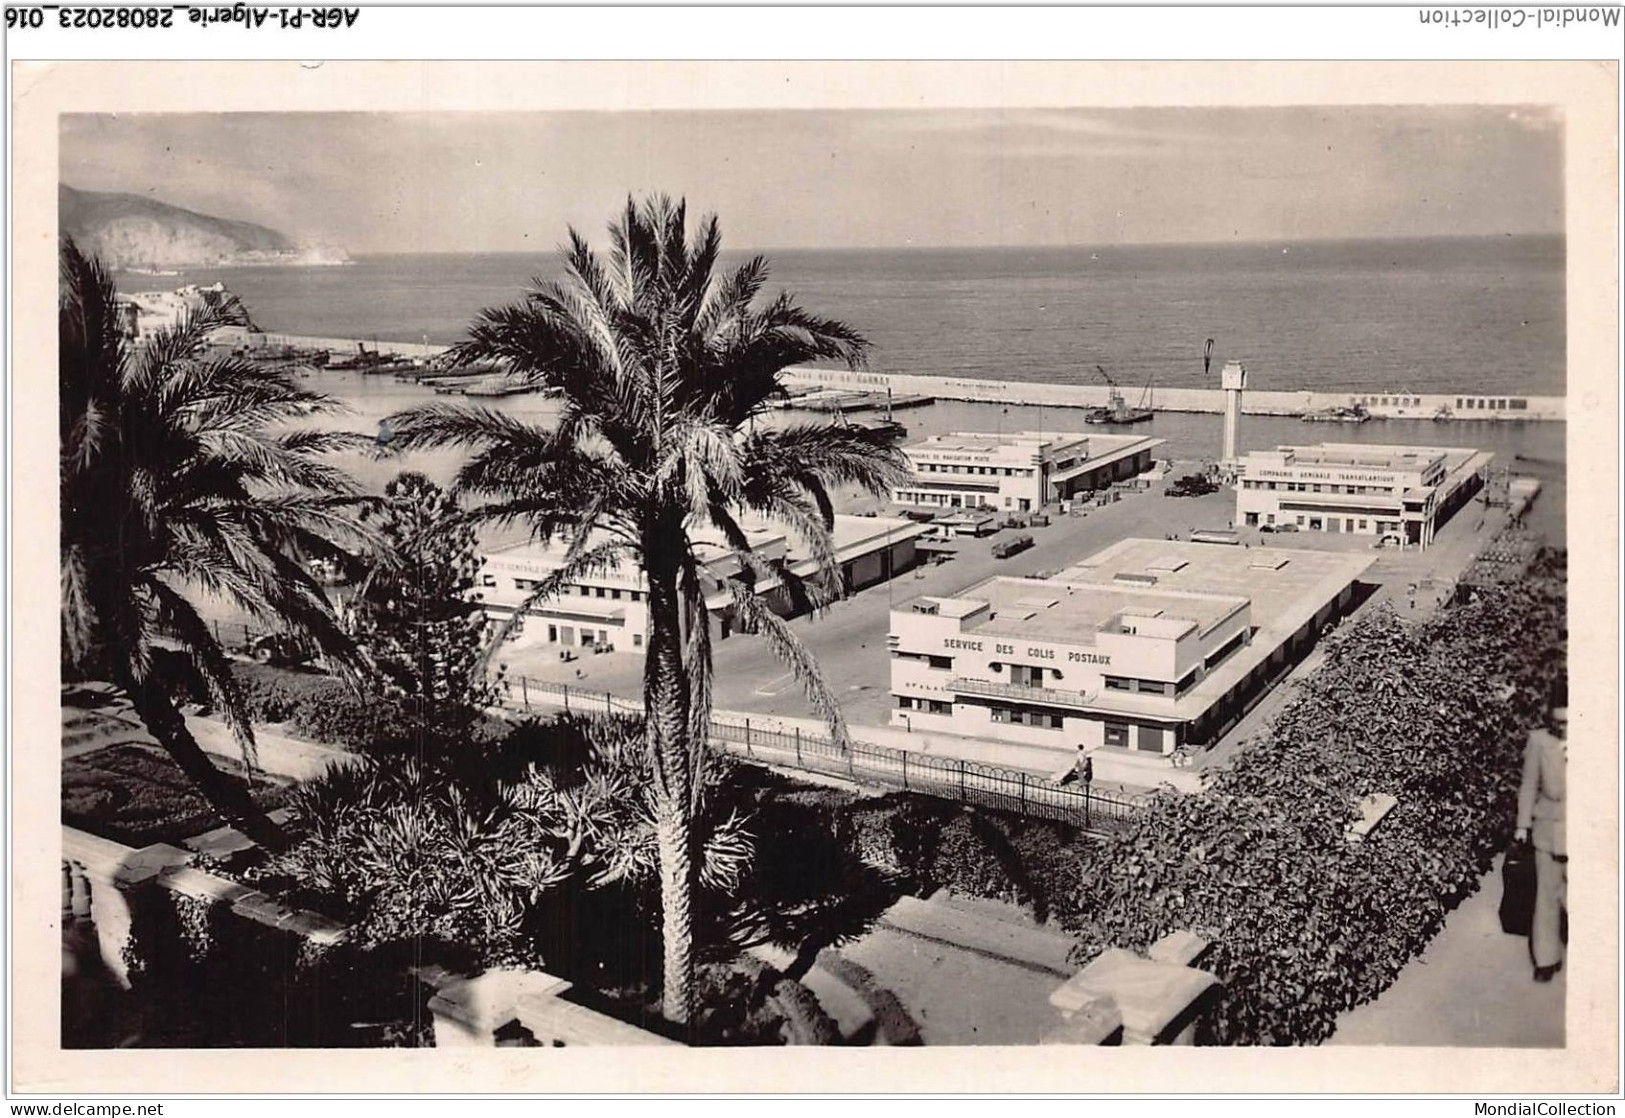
(462, 848)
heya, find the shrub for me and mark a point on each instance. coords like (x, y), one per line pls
(971, 856)
(201, 977)
(273, 694)
(1306, 924)
(488, 846)
(329, 710)
(974, 851)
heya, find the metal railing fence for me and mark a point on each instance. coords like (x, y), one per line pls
(969, 782)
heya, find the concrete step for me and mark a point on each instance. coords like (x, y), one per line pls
(999, 938)
(846, 1006)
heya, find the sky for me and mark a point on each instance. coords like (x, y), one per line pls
(514, 182)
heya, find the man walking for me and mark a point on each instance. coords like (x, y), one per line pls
(1541, 820)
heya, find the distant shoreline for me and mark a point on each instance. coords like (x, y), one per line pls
(731, 250)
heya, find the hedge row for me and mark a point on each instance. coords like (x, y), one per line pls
(326, 709)
(934, 844)
(1307, 924)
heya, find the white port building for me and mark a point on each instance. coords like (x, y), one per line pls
(612, 609)
(1020, 471)
(1144, 647)
(1401, 491)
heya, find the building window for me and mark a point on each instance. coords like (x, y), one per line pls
(1118, 683)
(1188, 682)
(1153, 686)
(1116, 733)
(637, 640)
(598, 592)
(1224, 653)
(940, 661)
(1149, 739)
(1042, 720)
(615, 595)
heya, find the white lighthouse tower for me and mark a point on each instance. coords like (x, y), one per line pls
(1234, 381)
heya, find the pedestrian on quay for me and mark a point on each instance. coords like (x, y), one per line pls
(1541, 821)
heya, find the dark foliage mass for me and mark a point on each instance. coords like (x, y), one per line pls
(138, 796)
(202, 977)
(1307, 924)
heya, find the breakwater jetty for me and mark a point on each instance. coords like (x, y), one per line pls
(1398, 404)
(1381, 405)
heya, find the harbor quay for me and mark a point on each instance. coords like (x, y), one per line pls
(1397, 404)
(909, 388)
(590, 638)
(853, 640)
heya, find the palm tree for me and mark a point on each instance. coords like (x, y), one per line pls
(662, 368)
(181, 475)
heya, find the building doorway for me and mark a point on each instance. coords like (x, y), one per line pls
(1023, 676)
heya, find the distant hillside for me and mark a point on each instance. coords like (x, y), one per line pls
(129, 231)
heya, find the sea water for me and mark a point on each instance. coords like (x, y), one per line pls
(1393, 315)
(1419, 316)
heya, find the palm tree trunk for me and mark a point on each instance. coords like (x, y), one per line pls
(228, 797)
(673, 837)
(666, 699)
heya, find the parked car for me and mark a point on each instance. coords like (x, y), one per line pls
(1286, 527)
(1191, 485)
(1006, 548)
(276, 648)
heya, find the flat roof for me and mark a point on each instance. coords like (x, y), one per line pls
(1130, 444)
(855, 536)
(1372, 456)
(1053, 610)
(852, 537)
(986, 442)
(1285, 585)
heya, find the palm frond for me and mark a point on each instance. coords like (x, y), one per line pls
(785, 645)
(179, 619)
(588, 560)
